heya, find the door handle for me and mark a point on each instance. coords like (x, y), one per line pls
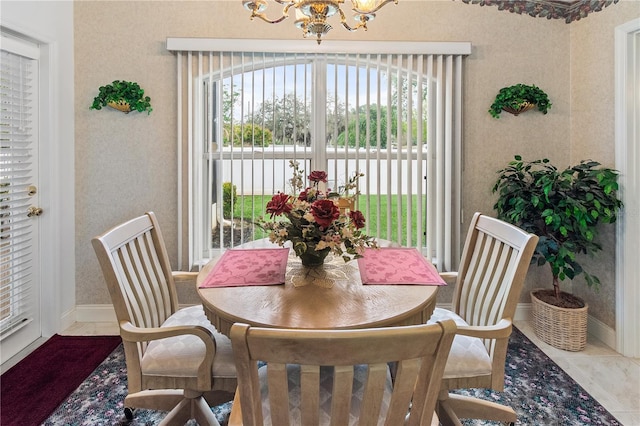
(34, 211)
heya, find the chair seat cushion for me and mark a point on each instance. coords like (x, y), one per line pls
(468, 356)
(180, 355)
(326, 385)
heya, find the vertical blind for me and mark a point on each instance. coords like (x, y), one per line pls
(18, 91)
(389, 110)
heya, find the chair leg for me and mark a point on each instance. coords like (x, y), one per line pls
(446, 415)
(180, 414)
(451, 408)
(202, 413)
(193, 406)
(160, 399)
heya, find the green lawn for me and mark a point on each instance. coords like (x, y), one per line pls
(252, 207)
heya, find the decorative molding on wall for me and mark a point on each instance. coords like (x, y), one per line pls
(551, 9)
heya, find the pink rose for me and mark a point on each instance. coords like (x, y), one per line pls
(278, 204)
(318, 176)
(324, 211)
(357, 218)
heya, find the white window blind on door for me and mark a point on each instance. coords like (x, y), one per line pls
(18, 108)
(389, 110)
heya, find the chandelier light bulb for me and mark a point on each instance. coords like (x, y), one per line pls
(364, 5)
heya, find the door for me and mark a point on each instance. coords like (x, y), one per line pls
(627, 39)
(20, 323)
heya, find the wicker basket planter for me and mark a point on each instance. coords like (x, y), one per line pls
(560, 327)
(120, 105)
(525, 106)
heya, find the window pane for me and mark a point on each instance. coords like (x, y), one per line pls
(267, 120)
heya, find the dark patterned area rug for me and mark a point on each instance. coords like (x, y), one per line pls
(540, 392)
(34, 387)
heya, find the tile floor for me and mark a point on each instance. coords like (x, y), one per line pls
(609, 377)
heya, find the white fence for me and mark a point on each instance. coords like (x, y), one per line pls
(258, 176)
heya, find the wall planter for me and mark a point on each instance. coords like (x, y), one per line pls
(125, 96)
(518, 99)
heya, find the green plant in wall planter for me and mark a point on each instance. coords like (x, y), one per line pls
(519, 98)
(565, 209)
(124, 96)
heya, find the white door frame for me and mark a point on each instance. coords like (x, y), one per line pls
(57, 212)
(627, 141)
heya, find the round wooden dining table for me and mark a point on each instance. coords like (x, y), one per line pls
(329, 297)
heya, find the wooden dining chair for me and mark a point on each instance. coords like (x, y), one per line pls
(494, 263)
(175, 357)
(289, 377)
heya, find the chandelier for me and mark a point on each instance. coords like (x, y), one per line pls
(311, 15)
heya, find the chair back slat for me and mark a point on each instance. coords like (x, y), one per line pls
(152, 280)
(403, 390)
(491, 283)
(351, 364)
(373, 393)
(160, 285)
(341, 394)
(472, 292)
(500, 286)
(127, 274)
(310, 403)
(278, 393)
(141, 280)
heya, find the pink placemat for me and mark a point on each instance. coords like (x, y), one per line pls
(397, 265)
(248, 267)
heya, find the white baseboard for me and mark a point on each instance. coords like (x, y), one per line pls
(595, 327)
(523, 312)
(68, 318)
(602, 332)
(98, 313)
(95, 313)
(106, 313)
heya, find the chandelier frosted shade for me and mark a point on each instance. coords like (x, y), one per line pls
(311, 15)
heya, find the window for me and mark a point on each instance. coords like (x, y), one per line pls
(388, 110)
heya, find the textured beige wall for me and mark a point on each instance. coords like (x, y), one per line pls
(592, 131)
(126, 164)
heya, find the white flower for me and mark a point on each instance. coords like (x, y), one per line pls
(321, 244)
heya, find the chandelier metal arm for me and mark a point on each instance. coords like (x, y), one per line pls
(265, 19)
(255, 5)
(361, 24)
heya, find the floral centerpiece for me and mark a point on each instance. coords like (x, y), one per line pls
(311, 219)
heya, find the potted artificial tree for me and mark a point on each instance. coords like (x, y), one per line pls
(564, 208)
(124, 96)
(519, 98)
